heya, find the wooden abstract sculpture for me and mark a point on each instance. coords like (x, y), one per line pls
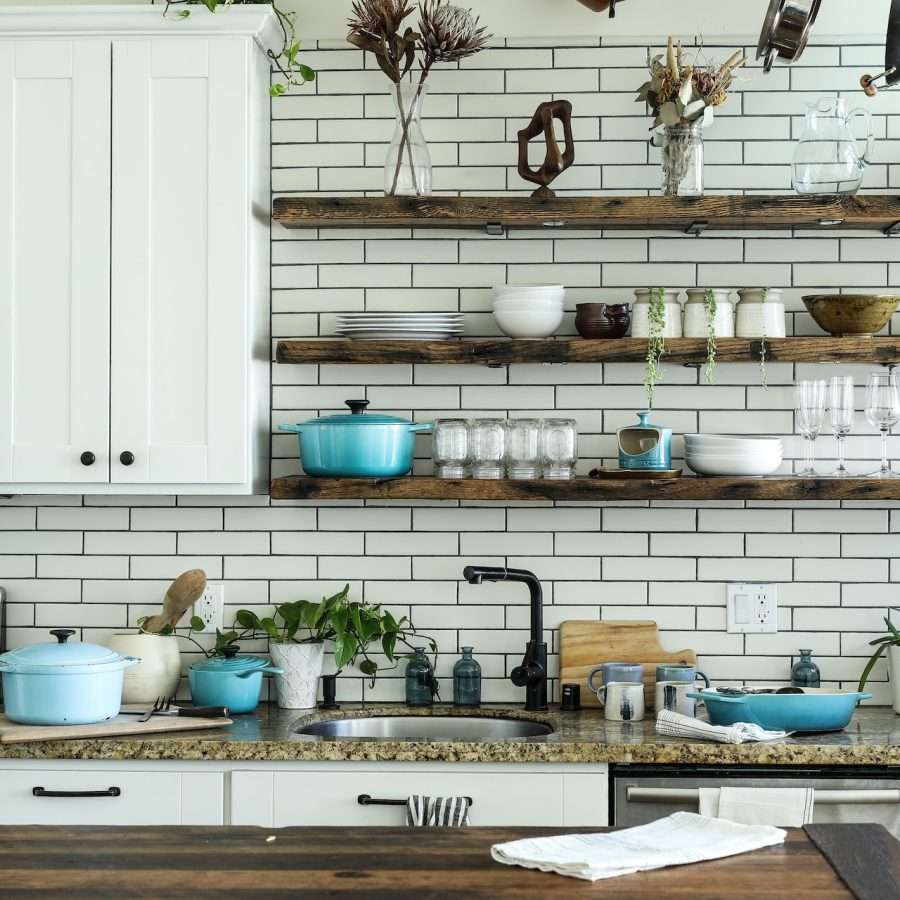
(555, 162)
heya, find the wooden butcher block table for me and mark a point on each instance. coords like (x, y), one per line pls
(382, 863)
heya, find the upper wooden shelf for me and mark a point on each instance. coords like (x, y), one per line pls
(878, 212)
(502, 351)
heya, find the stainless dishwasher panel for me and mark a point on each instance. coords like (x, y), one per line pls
(644, 796)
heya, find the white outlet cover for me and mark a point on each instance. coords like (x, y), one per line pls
(752, 608)
(211, 607)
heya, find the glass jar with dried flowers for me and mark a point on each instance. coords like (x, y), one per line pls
(682, 97)
(447, 34)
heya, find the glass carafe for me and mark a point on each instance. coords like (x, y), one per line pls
(827, 160)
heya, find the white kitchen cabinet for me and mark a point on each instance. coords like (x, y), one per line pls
(134, 234)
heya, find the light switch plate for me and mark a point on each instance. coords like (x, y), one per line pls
(210, 607)
(753, 608)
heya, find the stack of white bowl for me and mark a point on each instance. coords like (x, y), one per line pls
(723, 454)
(529, 310)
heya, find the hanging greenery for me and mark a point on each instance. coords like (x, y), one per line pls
(656, 343)
(709, 301)
(285, 59)
(762, 347)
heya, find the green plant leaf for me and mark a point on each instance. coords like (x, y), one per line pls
(306, 73)
(183, 13)
(269, 627)
(247, 619)
(197, 624)
(871, 665)
(389, 645)
(369, 667)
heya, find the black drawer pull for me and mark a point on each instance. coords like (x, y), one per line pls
(369, 800)
(109, 792)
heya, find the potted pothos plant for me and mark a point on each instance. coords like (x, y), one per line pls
(887, 643)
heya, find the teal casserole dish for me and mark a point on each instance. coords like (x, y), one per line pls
(816, 709)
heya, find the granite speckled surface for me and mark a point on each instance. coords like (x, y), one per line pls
(871, 739)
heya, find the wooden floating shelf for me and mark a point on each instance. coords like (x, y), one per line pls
(503, 351)
(691, 214)
(587, 489)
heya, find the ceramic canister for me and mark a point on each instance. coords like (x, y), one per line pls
(645, 446)
(159, 671)
(696, 317)
(640, 313)
(622, 701)
(760, 313)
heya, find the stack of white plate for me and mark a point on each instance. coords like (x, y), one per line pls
(722, 454)
(529, 310)
(400, 326)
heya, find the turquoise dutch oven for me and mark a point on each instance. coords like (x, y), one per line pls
(359, 445)
(814, 710)
(229, 680)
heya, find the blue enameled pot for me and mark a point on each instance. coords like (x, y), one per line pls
(231, 681)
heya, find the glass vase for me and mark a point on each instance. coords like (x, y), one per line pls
(407, 169)
(682, 160)
(467, 680)
(805, 673)
(419, 680)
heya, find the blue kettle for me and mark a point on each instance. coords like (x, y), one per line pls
(645, 446)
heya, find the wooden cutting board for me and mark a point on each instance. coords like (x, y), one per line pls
(585, 644)
(13, 733)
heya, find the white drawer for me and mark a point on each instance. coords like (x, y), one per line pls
(141, 798)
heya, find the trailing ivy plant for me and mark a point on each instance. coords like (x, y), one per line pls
(762, 346)
(656, 343)
(285, 58)
(709, 301)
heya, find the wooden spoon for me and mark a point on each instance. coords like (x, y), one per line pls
(184, 591)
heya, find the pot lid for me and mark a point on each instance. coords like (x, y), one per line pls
(230, 663)
(358, 416)
(60, 655)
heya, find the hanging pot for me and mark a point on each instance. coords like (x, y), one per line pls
(786, 30)
(61, 683)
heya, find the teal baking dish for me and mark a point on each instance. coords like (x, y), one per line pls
(816, 709)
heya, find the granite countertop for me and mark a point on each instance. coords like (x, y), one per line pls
(871, 739)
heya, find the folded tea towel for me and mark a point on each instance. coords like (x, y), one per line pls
(675, 840)
(787, 807)
(674, 724)
(437, 812)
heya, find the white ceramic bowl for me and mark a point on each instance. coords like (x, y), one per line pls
(731, 440)
(736, 467)
(538, 305)
(528, 323)
(501, 290)
(709, 444)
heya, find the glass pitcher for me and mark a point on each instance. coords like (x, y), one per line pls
(826, 160)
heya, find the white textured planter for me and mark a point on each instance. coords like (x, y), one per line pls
(159, 670)
(894, 664)
(298, 687)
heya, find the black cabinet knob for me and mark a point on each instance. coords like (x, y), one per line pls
(88, 458)
(126, 457)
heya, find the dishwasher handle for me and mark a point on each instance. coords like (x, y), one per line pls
(635, 794)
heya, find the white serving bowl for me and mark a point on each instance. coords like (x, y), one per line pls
(749, 445)
(502, 290)
(730, 440)
(538, 305)
(528, 323)
(734, 464)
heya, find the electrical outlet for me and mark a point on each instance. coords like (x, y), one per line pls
(210, 607)
(753, 608)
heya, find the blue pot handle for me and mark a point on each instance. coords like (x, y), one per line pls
(297, 429)
(422, 427)
(266, 670)
(699, 695)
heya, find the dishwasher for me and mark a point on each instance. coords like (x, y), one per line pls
(642, 794)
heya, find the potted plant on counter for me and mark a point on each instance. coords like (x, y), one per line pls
(889, 643)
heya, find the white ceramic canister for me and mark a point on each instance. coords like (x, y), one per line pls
(696, 318)
(298, 684)
(760, 313)
(640, 313)
(622, 701)
(159, 671)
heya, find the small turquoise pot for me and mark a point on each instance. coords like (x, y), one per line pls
(231, 681)
(645, 446)
(359, 445)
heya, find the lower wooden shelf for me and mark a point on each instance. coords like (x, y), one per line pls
(587, 489)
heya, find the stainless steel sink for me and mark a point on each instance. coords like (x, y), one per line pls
(427, 728)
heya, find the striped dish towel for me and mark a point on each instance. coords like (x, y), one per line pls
(437, 812)
(674, 724)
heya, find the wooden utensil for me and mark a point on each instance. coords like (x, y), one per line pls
(585, 644)
(184, 591)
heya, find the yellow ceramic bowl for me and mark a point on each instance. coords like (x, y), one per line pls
(851, 314)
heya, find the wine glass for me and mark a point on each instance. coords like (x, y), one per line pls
(810, 412)
(841, 411)
(883, 413)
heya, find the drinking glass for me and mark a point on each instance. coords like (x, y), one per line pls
(559, 448)
(841, 411)
(883, 413)
(487, 447)
(523, 448)
(810, 412)
(450, 447)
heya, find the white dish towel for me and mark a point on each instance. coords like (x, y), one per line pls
(676, 840)
(787, 807)
(674, 724)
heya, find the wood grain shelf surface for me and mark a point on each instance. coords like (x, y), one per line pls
(502, 351)
(761, 211)
(587, 489)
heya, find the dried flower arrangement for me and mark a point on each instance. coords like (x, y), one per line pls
(447, 34)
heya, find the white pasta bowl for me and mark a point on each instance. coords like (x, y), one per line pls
(764, 463)
(532, 323)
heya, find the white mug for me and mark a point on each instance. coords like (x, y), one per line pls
(622, 701)
(673, 695)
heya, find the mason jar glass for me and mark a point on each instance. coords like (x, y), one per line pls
(559, 448)
(450, 447)
(523, 448)
(487, 447)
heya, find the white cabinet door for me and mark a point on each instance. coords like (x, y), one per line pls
(182, 208)
(54, 261)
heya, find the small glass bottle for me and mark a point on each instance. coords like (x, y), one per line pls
(467, 680)
(805, 672)
(419, 680)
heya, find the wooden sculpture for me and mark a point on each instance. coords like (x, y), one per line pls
(555, 162)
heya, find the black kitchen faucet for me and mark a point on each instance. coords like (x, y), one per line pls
(532, 673)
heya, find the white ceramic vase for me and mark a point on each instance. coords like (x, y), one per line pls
(696, 324)
(894, 665)
(298, 686)
(760, 314)
(640, 313)
(159, 670)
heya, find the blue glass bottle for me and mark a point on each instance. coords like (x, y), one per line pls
(419, 680)
(467, 680)
(805, 672)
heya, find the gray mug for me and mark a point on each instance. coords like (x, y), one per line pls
(680, 672)
(628, 673)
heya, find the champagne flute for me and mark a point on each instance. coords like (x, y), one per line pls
(841, 411)
(883, 413)
(810, 413)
